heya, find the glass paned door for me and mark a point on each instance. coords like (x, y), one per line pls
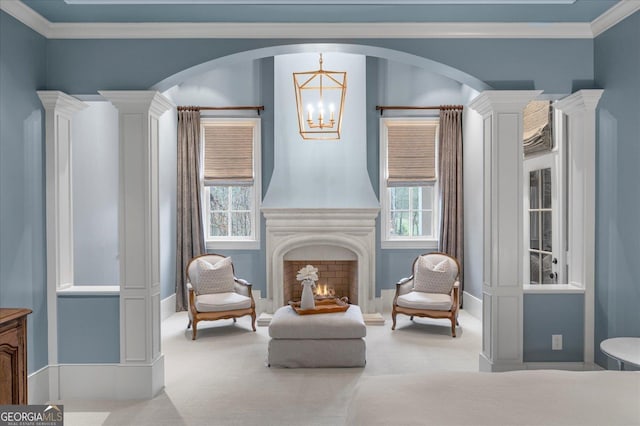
(541, 259)
(544, 242)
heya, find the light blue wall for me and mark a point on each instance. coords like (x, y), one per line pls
(168, 181)
(85, 66)
(88, 329)
(22, 216)
(548, 314)
(617, 71)
(95, 181)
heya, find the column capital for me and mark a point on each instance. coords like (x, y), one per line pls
(580, 101)
(132, 101)
(502, 101)
(60, 102)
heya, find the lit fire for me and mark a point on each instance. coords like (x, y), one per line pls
(324, 290)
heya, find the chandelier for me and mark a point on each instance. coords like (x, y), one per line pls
(320, 101)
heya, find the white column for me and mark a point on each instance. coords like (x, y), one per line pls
(59, 110)
(502, 232)
(580, 108)
(139, 241)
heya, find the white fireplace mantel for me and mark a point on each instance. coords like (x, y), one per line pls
(353, 229)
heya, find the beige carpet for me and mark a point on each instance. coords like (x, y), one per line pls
(221, 378)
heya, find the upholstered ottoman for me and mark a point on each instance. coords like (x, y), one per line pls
(320, 340)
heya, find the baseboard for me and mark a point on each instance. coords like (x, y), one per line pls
(386, 300)
(167, 307)
(569, 366)
(110, 381)
(38, 386)
(472, 305)
(262, 305)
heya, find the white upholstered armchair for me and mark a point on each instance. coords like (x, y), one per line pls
(216, 293)
(431, 291)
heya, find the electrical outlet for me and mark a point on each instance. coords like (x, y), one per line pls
(556, 342)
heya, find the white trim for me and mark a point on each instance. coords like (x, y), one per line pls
(59, 110)
(614, 15)
(38, 385)
(358, 30)
(27, 16)
(552, 289)
(167, 307)
(252, 243)
(322, 30)
(580, 107)
(386, 242)
(384, 303)
(90, 290)
(502, 298)
(353, 229)
(567, 366)
(472, 305)
(110, 381)
(409, 244)
(320, 2)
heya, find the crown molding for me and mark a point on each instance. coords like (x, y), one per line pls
(243, 30)
(612, 16)
(319, 2)
(27, 16)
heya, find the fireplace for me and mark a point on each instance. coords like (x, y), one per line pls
(320, 200)
(337, 278)
(339, 242)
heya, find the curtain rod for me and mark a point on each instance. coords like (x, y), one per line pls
(258, 108)
(381, 108)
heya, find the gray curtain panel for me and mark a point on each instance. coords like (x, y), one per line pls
(190, 239)
(451, 195)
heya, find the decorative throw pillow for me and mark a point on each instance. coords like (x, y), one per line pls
(216, 278)
(430, 278)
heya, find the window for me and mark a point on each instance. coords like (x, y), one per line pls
(231, 182)
(545, 219)
(540, 228)
(408, 182)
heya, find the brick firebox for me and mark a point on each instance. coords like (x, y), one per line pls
(339, 275)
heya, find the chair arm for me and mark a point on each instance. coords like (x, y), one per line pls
(192, 296)
(404, 286)
(242, 287)
(455, 294)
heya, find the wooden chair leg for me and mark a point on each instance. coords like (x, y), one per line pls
(253, 321)
(235, 320)
(194, 331)
(453, 327)
(189, 325)
(411, 318)
(393, 316)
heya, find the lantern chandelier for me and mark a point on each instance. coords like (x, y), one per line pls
(318, 93)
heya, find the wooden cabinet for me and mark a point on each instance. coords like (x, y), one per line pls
(13, 356)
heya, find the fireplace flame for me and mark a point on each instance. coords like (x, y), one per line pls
(324, 290)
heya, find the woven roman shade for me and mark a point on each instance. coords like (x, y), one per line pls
(537, 127)
(411, 153)
(228, 153)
